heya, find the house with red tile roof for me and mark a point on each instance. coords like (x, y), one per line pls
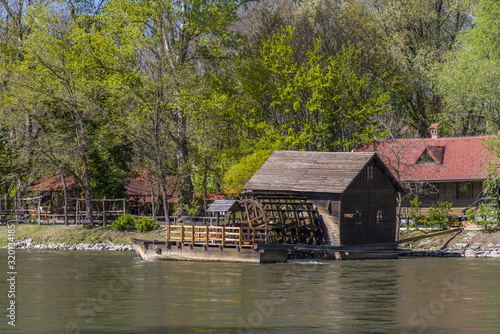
(450, 169)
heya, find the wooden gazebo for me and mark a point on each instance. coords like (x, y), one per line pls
(225, 209)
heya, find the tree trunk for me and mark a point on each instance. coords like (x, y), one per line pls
(165, 202)
(185, 182)
(65, 195)
(19, 196)
(88, 190)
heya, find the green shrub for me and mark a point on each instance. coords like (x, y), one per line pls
(471, 214)
(439, 214)
(124, 223)
(145, 224)
(488, 217)
(415, 211)
(193, 208)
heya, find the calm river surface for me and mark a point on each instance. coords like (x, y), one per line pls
(116, 292)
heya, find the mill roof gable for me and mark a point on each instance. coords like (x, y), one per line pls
(319, 172)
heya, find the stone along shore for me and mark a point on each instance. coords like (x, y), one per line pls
(466, 243)
(28, 244)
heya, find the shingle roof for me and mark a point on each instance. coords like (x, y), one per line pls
(224, 206)
(323, 172)
(453, 159)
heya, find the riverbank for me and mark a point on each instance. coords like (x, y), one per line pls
(74, 237)
(466, 243)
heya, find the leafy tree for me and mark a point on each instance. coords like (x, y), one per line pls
(469, 79)
(439, 214)
(240, 173)
(175, 44)
(415, 206)
(318, 104)
(64, 79)
(418, 34)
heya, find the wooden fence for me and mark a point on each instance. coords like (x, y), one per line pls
(216, 235)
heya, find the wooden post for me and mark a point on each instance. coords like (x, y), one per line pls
(253, 236)
(182, 234)
(76, 211)
(104, 211)
(223, 235)
(168, 232)
(39, 210)
(240, 237)
(192, 235)
(206, 235)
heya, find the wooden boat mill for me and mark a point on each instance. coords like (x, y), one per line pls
(330, 205)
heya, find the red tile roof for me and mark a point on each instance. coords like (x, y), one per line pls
(138, 187)
(54, 183)
(223, 194)
(449, 159)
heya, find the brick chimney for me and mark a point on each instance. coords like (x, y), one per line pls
(434, 130)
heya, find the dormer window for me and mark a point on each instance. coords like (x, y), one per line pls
(431, 155)
(425, 159)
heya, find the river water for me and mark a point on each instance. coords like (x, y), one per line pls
(116, 292)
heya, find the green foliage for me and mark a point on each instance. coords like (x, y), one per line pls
(123, 223)
(469, 79)
(192, 209)
(109, 164)
(145, 224)
(492, 182)
(418, 34)
(471, 214)
(96, 91)
(319, 103)
(439, 214)
(240, 173)
(415, 210)
(488, 216)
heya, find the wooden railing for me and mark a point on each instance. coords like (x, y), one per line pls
(216, 235)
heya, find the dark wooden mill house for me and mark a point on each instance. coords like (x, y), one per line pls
(324, 198)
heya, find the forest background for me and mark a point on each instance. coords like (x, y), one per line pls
(206, 90)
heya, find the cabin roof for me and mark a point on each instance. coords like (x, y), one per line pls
(320, 172)
(224, 206)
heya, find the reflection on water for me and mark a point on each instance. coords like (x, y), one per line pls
(108, 292)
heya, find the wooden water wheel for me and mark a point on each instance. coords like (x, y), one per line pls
(253, 213)
(292, 219)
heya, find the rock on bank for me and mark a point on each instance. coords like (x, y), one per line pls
(28, 244)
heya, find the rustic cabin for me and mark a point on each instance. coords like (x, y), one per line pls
(328, 198)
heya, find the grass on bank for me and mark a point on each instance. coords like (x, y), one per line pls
(70, 235)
